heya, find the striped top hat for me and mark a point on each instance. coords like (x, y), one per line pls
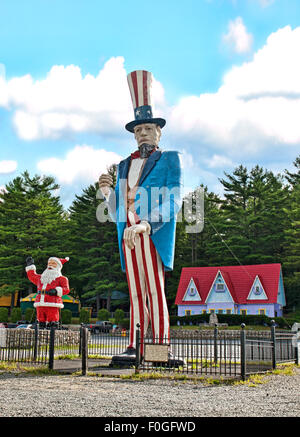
(139, 82)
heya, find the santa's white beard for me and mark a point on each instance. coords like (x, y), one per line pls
(49, 275)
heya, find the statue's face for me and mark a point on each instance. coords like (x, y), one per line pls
(148, 133)
(52, 264)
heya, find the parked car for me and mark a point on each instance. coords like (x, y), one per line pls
(100, 326)
(2, 325)
(27, 326)
(12, 325)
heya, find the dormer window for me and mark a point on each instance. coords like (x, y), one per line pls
(192, 291)
(220, 287)
(257, 290)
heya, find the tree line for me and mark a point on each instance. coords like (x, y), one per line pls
(257, 221)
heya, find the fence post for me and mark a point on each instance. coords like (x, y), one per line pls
(137, 341)
(36, 339)
(216, 343)
(243, 352)
(84, 350)
(80, 338)
(51, 348)
(273, 339)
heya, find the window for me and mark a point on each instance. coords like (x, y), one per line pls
(188, 312)
(262, 312)
(228, 311)
(192, 291)
(220, 287)
(220, 311)
(203, 311)
(211, 311)
(257, 290)
(244, 312)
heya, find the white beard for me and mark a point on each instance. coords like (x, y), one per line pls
(49, 275)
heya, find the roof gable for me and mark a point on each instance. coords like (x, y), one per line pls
(192, 293)
(257, 291)
(219, 290)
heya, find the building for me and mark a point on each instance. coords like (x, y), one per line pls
(247, 290)
(70, 303)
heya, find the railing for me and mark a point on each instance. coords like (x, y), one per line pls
(104, 344)
(222, 353)
(24, 345)
(204, 352)
(37, 346)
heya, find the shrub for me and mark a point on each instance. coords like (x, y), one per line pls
(30, 314)
(124, 324)
(119, 316)
(84, 316)
(16, 315)
(3, 315)
(230, 319)
(103, 314)
(66, 317)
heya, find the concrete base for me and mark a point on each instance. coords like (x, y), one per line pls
(127, 359)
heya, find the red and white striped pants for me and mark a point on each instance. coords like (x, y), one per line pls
(145, 277)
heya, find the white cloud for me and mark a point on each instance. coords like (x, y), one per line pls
(67, 101)
(218, 161)
(257, 106)
(7, 167)
(237, 37)
(83, 163)
(265, 3)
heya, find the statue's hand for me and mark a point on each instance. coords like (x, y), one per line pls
(131, 233)
(29, 261)
(105, 182)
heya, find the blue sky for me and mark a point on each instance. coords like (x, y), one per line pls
(226, 80)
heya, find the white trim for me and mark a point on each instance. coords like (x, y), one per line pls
(219, 271)
(28, 268)
(59, 291)
(48, 304)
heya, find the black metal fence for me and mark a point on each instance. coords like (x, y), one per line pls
(37, 346)
(221, 353)
(210, 352)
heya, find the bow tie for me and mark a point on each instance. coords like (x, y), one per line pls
(137, 153)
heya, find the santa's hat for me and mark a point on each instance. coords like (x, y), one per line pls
(59, 261)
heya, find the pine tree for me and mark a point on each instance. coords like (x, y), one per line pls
(96, 267)
(32, 222)
(291, 262)
(294, 178)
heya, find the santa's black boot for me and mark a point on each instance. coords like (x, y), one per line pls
(42, 325)
(54, 325)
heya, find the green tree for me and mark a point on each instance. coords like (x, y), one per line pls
(294, 178)
(292, 249)
(32, 222)
(253, 218)
(96, 270)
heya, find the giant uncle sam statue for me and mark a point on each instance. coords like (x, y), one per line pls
(145, 204)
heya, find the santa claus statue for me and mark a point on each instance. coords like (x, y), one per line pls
(51, 286)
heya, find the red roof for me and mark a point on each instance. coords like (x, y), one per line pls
(239, 280)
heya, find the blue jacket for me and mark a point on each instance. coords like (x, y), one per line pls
(158, 200)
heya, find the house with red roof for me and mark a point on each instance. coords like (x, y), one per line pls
(247, 290)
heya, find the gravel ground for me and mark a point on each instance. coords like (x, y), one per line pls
(91, 396)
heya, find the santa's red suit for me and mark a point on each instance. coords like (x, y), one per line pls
(48, 306)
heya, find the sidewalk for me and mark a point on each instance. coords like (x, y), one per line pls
(94, 365)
